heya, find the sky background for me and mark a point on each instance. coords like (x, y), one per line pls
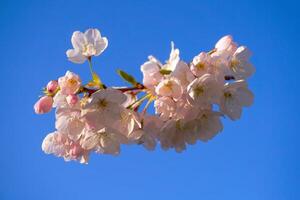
(254, 158)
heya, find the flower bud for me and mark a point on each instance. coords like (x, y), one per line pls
(43, 105)
(52, 86)
(72, 99)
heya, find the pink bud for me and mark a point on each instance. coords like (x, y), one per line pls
(43, 105)
(72, 99)
(52, 86)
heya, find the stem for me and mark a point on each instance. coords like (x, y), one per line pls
(146, 106)
(139, 101)
(90, 65)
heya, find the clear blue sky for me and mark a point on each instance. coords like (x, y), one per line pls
(254, 158)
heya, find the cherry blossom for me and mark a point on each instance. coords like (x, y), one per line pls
(189, 100)
(87, 44)
(235, 96)
(43, 105)
(70, 83)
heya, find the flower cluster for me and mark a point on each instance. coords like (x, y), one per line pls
(189, 100)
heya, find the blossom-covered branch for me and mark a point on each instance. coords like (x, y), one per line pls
(189, 100)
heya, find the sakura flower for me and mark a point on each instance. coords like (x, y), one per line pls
(201, 65)
(60, 145)
(72, 99)
(43, 105)
(204, 90)
(69, 122)
(208, 124)
(239, 64)
(151, 73)
(169, 87)
(70, 83)
(226, 44)
(183, 73)
(173, 59)
(127, 123)
(235, 96)
(52, 86)
(87, 44)
(172, 135)
(104, 141)
(149, 132)
(165, 107)
(104, 107)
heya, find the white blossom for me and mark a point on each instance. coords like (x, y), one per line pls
(87, 44)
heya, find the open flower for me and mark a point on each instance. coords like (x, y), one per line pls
(239, 64)
(87, 44)
(169, 87)
(103, 108)
(151, 73)
(105, 141)
(204, 90)
(235, 96)
(70, 83)
(165, 107)
(201, 64)
(60, 145)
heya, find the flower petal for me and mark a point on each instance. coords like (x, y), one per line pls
(75, 56)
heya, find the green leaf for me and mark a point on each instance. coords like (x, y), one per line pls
(165, 71)
(96, 79)
(127, 77)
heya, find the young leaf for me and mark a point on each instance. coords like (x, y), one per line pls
(127, 77)
(96, 80)
(165, 71)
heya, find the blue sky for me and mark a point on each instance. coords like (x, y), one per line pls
(256, 157)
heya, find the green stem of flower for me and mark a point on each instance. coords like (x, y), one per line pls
(90, 65)
(147, 105)
(139, 101)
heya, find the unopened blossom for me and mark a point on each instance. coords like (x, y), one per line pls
(87, 44)
(72, 99)
(70, 83)
(235, 96)
(204, 90)
(60, 145)
(165, 107)
(226, 44)
(52, 86)
(43, 105)
(169, 87)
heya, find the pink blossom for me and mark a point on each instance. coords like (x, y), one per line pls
(226, 44)
(70, 83)
(165, 107)
(43, 105)
(169, 87)
(52, 86)
(72, 99)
